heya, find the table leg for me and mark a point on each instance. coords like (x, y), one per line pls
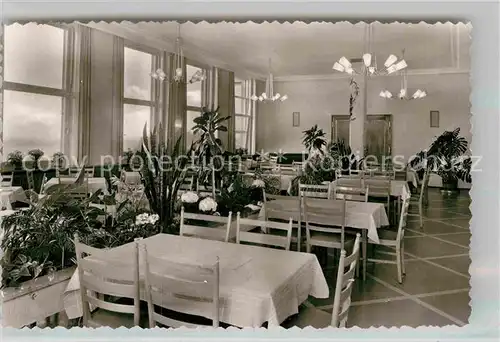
(398, 215)
(364, 250)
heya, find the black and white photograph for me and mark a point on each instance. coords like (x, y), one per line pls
(235, 174)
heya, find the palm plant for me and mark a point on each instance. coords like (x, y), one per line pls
(162, 175)
(446, 158)
(342, 155)
(314, 138)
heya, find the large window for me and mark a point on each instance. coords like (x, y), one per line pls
(35, 89)
(194, 102)
(244, 114)
(137, 96)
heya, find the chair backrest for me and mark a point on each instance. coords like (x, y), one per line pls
(169, 284)
(199, 228)
(261, 238)
(131, 178)
(380, 188)
(79, 192)
(6, 180)
(101, 275)
(74, 171)
(315, 190)
(288, 170)
(351, 193)
(187, 183)
(331, 221)
(343, 288)
(357, 173)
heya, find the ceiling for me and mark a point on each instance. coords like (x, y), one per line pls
(305, 49)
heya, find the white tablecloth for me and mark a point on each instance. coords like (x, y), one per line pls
(360, 215)
(9, 195)
(398, 188)
(257, 284)
(95, 183)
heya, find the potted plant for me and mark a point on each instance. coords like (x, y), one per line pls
(15, 159)
(314, 139)
(447, 158)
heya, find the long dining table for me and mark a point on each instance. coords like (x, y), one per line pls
(257, 284)
(365, 216)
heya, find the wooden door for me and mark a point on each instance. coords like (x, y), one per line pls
(378, 137)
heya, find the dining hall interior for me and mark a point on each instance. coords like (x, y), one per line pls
(165, 174)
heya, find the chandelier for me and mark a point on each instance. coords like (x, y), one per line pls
(369, 68)
(403, 92)
(269, 95)
(179, 66)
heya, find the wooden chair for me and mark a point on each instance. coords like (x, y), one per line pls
(272, 212)
(79, 192)
(351, 193)
(325, 228)
(101, 279)
(6, 180)
(221, 232)
(263, 238)
(171, 284)
(380, 189)
(395, 239)
(316, 318)
(422, 198)
(315, 190)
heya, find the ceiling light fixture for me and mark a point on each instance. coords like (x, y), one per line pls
(269, 95)
(391, 65)
(179, 65)
(403, 92)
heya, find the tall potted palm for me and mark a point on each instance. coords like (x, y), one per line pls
(447, 158)
(314, 139)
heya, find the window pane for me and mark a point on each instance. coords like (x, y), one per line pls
(137, 79)
(190, 137)
(193, 89)
(32, 121)
(134, 118)
(241, 123)
(239, 106)
(238, 89)
(34, 55)
(240, 140)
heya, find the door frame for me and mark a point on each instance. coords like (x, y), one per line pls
(388, 139)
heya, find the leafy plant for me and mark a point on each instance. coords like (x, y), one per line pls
(314, 138)
(162, 175)
(446, 157)
(353, 96)
(36, 154)
(342, 155)
(15, 159)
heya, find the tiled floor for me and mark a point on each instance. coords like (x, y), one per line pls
(435, 290)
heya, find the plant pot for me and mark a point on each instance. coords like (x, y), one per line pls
(35, 300)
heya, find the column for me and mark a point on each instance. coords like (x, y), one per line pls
(357, 124)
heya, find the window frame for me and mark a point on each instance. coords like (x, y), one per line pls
(204, 99)
(247, 89)
(66, 93)
(156, 62)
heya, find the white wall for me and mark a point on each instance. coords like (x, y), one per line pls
(317, 100)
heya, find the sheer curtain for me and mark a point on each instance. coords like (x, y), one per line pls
(225, 89)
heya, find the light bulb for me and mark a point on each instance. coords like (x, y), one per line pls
(345, 63)
(338, 67)
(264, 96)
(367, 59)
(261, 98)
(371, 70)
(388, 94)
(254, 98)
(402, 93)
(178, 72)
(391, 69)
(284, 97)
(350, 71)
(390, 61)
(423, 94)
(277, 95)
(401, 65)
(417, 94)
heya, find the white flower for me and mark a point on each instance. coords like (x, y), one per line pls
(153, 218)
(208, 204)
(141, 219)
(258, 183)
(189, 197)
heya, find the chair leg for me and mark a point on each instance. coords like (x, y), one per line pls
(403, 268)
(398, 264)
(420, 213)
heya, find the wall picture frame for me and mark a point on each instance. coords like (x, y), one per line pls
(434, 118)
(296, 119)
